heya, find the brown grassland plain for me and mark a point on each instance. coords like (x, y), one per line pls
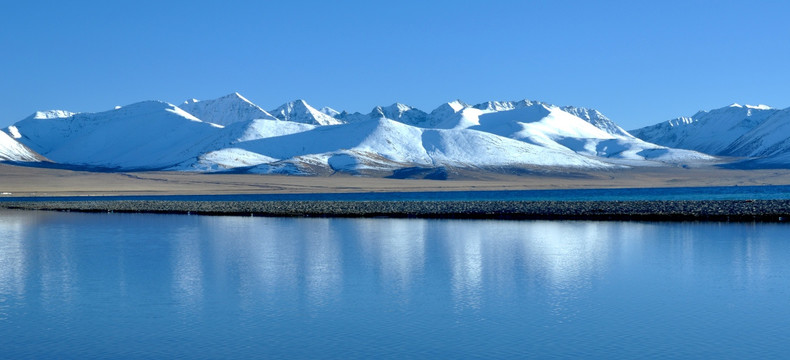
(33, 181)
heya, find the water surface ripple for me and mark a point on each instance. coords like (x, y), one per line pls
(76, 285)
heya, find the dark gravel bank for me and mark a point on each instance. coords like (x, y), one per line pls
(719, 210)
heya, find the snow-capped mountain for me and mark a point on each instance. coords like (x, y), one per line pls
(226, 110)
(386, 138)
(555, 128)
(599, 120)
(223, 153)
(145, 135)
(397, 111)
(232, 133)
(770, 138)
(384, 144)
(592, 116)
(329, 111)
(301, 112)
(12, 150)
(401, 113)
(711, 132)
(760, 133)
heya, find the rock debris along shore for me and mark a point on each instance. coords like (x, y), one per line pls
(696, 210)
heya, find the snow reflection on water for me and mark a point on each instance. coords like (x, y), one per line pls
(13, 266)
(187, 279)
(395, 251)
(236, 286)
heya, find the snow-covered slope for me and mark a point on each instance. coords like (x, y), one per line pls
(301, 112)
(345, 117)
(385, 144)
(457, 114)
(329, 111)
(11, 150)
(401, 113)
(770, 138)
(145, 135)
(538, 124)
(591, 116)
(259, 129)
(759, 134)
(712, 132)
(398, 112)
(221, 154)
(226, 110)
(51, 114)
(454, 115)
(555, 128)
(597, 119)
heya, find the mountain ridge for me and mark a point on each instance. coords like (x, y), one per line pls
(231, 133)
(225, 110)
(12, 150)
(759, 133)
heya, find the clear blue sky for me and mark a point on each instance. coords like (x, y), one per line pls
(638, 62)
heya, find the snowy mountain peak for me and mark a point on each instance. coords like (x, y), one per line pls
(142, 110)
(396, 109)
(226, 110)
(449, 108)
(735, 106)
(300, 111)
(494, 106)
(329, 111)
(592, 116)
(734, 130)
(400, 107)
(378, 112)
(596, 118)
(144, 135)
(51, 114)
(402, 113)
(753, 107)
(457, 105)
(237, 97)
(506, 105)
(683, 120)
(11, 150)
(736, 112)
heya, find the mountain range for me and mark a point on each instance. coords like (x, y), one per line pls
(759, 135)
(233, 134)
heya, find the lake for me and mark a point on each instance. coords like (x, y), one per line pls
(762, 192)
(76, 285)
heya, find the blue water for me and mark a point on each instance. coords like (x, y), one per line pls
(135, 286)
(779, 192)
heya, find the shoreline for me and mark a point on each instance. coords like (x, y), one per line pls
(776, 211)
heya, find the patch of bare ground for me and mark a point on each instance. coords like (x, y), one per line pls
(34, 181)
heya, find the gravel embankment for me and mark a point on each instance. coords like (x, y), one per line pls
(718, 210)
